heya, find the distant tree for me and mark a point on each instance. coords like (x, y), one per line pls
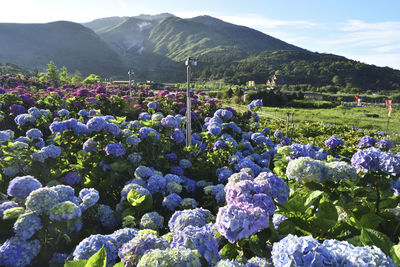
(52, 74)
(64, 76)
(92, 79)
(77, 78)
(336, 80)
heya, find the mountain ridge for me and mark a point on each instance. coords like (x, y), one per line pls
(155, 47)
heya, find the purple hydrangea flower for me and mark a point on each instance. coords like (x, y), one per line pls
(219, 144)
(236, 221)
(334, 142)
(178, 136)
(366, 141)
(385, 144)
(278, 134)
(172, 201)
(96, 124)
(366, 160)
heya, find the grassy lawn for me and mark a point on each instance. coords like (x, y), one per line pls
(339, 115)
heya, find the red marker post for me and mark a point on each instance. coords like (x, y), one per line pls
(388, 103)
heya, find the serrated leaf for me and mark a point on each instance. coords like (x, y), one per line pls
(395, 254)
(370, 220)
(286, 227)
(257, 246)
(371, 237)
(389, 203)
(229, 251)
(77, 263)
(99, 259)
(140, 203)
(312, 198)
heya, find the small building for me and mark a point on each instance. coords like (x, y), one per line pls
(277, 80)
(251, 83)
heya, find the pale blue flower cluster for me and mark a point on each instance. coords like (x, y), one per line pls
(88, 197)
(108, 218)
(218, 191)
(152, 220)
(20, 187)
(18, 252)
(172, 201)
(307, 251)
(198, 217)
(26, 226)
(65, 210)
(90, 245)
(255, 103)
(41, 200)
(143, 172)
(132, 140)
(305, 169)
(170, 257)
(133, 250)
(200, 238)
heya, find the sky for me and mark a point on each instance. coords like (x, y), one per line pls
(363, 30)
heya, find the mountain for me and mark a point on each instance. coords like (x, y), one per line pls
(66, 43)
(156, 46)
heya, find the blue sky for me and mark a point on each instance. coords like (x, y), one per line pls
(364, 30)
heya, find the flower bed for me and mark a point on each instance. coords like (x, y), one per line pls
(101, 175)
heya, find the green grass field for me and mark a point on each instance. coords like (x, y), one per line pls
(342, 115)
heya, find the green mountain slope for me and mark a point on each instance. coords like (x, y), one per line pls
(68, 44)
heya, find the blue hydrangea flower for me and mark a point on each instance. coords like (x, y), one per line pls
(301, 251)
(58, 259)
(123, 236)
(389, 163)
(219, 144)
(285, 141)
(189, 203)
(385, 144)
(52, 151)
(152, 220)
(247, 163)
(26, 226)
(18, 252)
(40, 156)
(223, 174)
(41, 200)
(20, 187)
(156, 183)
(177, 170)
(134, 158)
(11, 171)
(217, 191)
(188, 184)
(83, 113)
(169, 122)
(108, 218)
(170, 257)
(64, 211)
(132, 140)
(178, 136)
(138, 188)
(236, 221)
(96, 124)
(131, 251)
(90, 245)
(305, 170)
(63, 112)
(259, 262)
(172, 201)
(90, 145)
(58, 127)
(7, 205)
(185, 164)
(171, 157)
(80, 129)
(143, 172)
(146, 132)
(277, 219)
(72, 178)
(112, 128)
(198, 217)
(34, 133)
(366, 160)
(345, 254)
(272, 185)
(6, 135)
(198, 238)
(64, 193)
(144, 116)
(366, 141)
(89, 197)
(115, 149)
(334, 142)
